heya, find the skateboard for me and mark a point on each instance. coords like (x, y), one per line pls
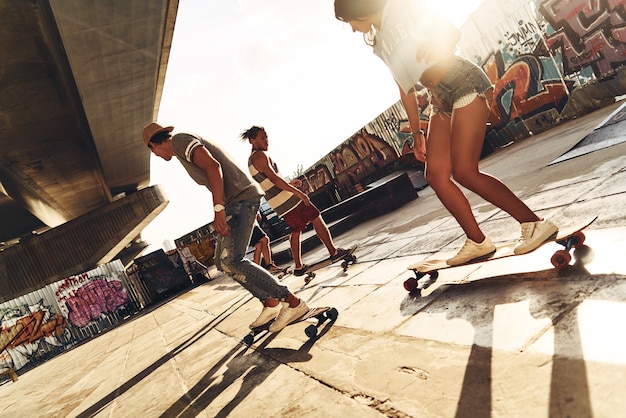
(281, 272)
(322, 314)
(569, 238)
(346, 260)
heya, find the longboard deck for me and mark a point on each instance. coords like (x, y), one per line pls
(568, 237)
(346, 260)
(320, 313)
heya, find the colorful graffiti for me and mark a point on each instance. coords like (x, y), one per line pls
(91, 301)
(24, 329)
(547, 61)
(361, 155)
(587, 34)
(521, 91)
(43, 323)
(315, 179)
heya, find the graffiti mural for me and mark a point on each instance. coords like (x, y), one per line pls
(548, 60)
(358, 157)
(86, 299)
(23, 331)
(43, 323)
(521, 91)
(316, 179)
(587, 34)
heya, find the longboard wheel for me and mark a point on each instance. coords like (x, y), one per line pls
(332, 314)
(561, 259)
(248, 340)
(311, 332)
(410, 284)
(578, 239)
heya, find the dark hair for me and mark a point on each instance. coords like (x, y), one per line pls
(251, 133)
(160, 138)
(346, 10)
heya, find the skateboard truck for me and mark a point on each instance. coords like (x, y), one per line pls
(562, 258)
(348, 258)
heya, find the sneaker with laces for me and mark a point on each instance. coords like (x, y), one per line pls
(534, 234)
(341, 253)
(301, 271)
(267, 314)
(472, 251)
(287, 315)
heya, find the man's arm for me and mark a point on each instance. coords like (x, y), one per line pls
(213, 169)
(262, 163)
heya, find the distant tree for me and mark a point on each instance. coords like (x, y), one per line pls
(299, 171)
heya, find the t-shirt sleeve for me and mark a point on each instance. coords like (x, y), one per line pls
(184, 145)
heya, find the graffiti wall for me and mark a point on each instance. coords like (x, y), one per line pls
(45, 322)
(549, 60)
(363, 157)
(161, 275)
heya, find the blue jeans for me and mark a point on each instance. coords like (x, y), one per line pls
(230, 253)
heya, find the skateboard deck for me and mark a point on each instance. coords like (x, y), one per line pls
(281, 272)
(569, 238)
(346, 260)
(321, 314)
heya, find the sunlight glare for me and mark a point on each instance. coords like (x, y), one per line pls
(457, 11)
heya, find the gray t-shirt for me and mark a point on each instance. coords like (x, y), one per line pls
(238, 185)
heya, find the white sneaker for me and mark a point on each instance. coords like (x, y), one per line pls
(471, 251)
(534, 234)
(287, 315)
(267, 314)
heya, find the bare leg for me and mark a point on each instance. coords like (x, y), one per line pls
(467, 137)
(321, 229)
(296, 252)
(438, 175)
(265, 250)
(257, 253)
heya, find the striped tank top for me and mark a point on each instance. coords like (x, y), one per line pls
(280, 200)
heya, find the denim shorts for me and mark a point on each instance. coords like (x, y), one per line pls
(463, 78)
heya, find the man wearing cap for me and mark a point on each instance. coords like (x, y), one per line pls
(236, 199)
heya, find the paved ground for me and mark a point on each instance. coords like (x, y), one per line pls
(527, 340)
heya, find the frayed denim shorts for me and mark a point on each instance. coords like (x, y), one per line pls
(463, 80)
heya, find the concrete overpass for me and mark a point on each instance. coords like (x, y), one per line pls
(79, 80)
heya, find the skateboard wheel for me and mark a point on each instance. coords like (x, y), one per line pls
(248, 340)
(353, 259)
(410, 284)
(311, 332)
(332, 314)
(578, 239)
(561, 259)
(344, 265)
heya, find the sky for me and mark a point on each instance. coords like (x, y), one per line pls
(287, 65)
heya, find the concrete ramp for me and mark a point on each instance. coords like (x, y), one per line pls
(609, 132)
